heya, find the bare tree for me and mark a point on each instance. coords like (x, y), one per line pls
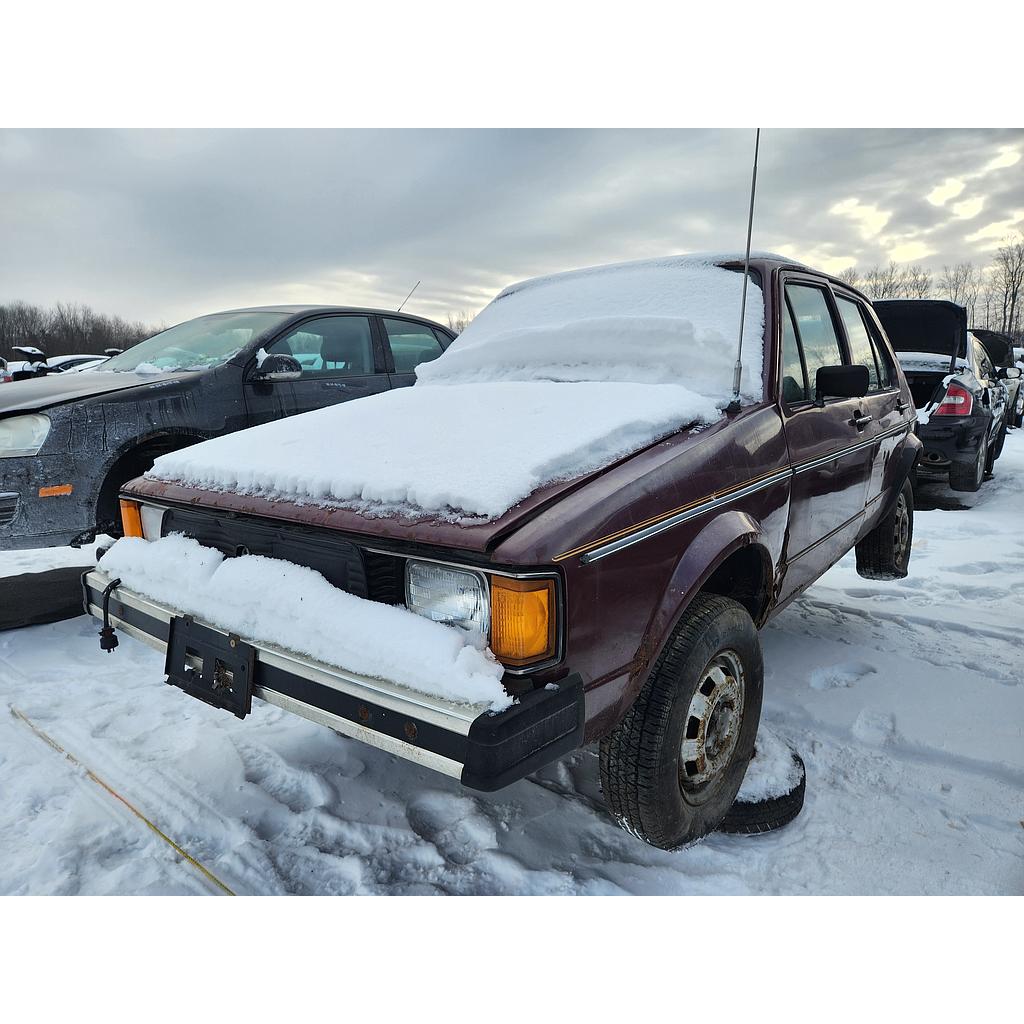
(458, 322)
(66, 328)
(961, 284)
(883, 282)
(1007, 282)
(915, 282)
(850, 276)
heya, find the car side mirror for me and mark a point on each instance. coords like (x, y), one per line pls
(278, 367)
(1008, 372)
(841, 382)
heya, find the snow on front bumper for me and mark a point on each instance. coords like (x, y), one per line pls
(486, 750)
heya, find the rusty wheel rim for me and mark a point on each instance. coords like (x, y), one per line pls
(901, 529)
(712, 728)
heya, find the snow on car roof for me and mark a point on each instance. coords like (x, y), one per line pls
(557, 378)
(653, 321)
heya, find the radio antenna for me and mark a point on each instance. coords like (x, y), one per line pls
(417, 284)
(734, 405)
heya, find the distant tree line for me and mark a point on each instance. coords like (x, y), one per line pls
(992, 294)
(66, 328)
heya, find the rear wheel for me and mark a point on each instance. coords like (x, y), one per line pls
(884, 554)
(672, 769)
(968, 476)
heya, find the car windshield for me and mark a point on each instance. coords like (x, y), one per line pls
(196, 344)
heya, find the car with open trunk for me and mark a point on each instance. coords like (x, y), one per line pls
(961, 394)
(593, 554)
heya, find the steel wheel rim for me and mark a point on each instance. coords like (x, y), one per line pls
(901, 529)
(711, 731)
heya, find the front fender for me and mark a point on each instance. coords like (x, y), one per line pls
(716, 542)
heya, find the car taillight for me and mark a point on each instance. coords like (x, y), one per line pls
(957, 402)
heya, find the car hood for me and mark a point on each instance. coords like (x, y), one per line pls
(413, 530)
(998, 346)
(924, 325)
(59, 388)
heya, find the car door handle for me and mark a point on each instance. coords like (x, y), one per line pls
(901, 406)
(860, 422)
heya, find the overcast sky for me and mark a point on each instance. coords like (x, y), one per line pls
(164, 225)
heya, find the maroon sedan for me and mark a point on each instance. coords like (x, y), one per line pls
(609, 531)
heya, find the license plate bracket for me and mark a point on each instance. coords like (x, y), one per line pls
(211, 666)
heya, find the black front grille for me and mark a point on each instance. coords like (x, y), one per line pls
(339, 561)
(8, 508)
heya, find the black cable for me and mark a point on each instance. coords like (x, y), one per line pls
(108, 641)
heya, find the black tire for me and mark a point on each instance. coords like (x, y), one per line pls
(751, 819)
(651, 790)
(884, 554)
(1000, 441)
(968, 476)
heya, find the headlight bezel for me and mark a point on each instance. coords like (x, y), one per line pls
(31, 441)
(488, 574)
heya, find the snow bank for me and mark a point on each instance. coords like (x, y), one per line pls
(266, 599)
(462, 449)
(661, 321)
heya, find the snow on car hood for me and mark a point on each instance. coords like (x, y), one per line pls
(460, 450)
(557, 378)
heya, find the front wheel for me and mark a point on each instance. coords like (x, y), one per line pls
(671, 770)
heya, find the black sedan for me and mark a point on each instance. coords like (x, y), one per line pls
(962, 402)
(69, 441)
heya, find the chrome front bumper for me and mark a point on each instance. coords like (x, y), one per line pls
(485, 750)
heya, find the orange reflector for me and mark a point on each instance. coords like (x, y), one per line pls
(52, 492)
(522, 619)
(131, 518)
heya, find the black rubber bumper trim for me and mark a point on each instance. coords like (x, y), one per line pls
(501, 748)
(542, 726)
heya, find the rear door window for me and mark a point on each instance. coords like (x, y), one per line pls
(985, 367)
(862, 352)
(816, 331)
(411, 344)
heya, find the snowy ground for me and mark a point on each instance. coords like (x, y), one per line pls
(906, 701)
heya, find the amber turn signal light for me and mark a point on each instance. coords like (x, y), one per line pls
(131, 518)
(522, 619)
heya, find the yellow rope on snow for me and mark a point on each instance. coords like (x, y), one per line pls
(50, 741)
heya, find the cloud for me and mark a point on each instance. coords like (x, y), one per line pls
(968, 208)
(1008, 156)
(869, 218)
(907, 252)
(949, 189)
(163, 225)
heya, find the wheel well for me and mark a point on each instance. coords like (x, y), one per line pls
(744, 576)
(129, 464)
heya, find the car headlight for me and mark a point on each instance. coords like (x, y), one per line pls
(23, 435)
(517, 617)
(455, 597)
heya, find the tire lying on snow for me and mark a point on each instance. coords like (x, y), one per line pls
(772, 794)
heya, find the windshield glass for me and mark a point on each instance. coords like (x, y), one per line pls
(196, 344)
